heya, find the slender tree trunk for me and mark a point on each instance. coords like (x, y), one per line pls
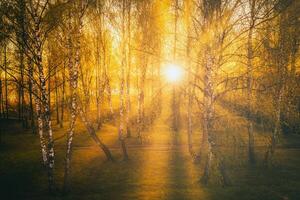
(209, 97)
(21, 37)
(6, 81)
(62, 104)
(208, 115)
(190, 124)
(47, 126)
(141, 100)
(41, 132)
(110, 97)
(122, 84)
(281, 58)
(40, 124)
(93, 134)
(49, 86)
(31, 90)
(46, 107)
(98, 94)
(73, 74)
(277, 126)
(84, 83)
(56, 98)
(175, 109)
(139, 109)
(128, 102)
(251, 154)
(19, 101)
(21, 88)
(98, 79)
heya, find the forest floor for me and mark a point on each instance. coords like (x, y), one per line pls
(160, 168)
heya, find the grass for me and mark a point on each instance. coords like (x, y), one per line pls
(158, 169)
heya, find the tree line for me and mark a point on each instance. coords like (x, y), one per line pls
(96, 60)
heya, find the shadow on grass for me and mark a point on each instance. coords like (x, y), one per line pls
(22, 175)
(177, 171)
(95, 177)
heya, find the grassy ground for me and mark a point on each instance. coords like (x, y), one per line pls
(160, 168)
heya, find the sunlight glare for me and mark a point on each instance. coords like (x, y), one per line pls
(173, 73)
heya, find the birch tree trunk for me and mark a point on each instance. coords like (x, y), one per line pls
(40, 123)
(93, 134)
(47, 125)
(277, 128)
(73, 68)
(45, 103)
(280, 55)
(208, 115)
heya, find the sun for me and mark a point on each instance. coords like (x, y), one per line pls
(173, 73)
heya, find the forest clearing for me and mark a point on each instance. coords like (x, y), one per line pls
(159, 168)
